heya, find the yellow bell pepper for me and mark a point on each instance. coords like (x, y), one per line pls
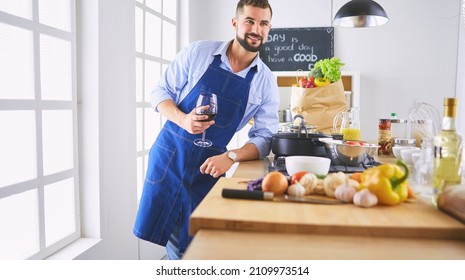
(321, 82)
(387, 181)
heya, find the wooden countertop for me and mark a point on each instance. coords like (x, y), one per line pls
(217, 222)
(246, 245)
(412, 220)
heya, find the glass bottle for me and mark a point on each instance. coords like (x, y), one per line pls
(423, 169)
(447, 151)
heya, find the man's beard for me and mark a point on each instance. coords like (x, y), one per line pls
(246, 45)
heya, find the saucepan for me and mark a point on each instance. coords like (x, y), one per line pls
(301, 142)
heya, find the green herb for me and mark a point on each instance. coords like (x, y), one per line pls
(327, 68)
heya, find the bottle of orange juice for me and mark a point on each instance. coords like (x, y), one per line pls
(350, 124)
(351, 133)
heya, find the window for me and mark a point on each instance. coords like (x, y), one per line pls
(156, 45)
(39, 205)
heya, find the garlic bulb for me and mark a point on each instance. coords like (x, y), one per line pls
(365, 198)
(345, 193)
(332, 181)
(353, 183)
(319, 187)
(296, 190)
(308, 181)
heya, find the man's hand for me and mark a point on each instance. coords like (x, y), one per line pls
(195, 124)
(216, 165)
(190, 122)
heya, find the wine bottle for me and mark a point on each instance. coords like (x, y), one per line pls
(447, 151)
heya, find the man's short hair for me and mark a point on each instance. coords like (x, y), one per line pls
(254, 3)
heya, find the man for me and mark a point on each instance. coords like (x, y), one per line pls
(179, 173)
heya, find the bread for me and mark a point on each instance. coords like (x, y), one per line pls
(452, 201)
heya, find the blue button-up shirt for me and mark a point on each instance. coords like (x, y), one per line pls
(192, 62)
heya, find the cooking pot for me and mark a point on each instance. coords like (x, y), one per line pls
(301, 144)
(289, 127)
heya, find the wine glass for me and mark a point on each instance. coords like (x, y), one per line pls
(206, 98)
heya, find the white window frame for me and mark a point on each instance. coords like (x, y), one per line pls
(144, 104)
(143, 108)
(39, 106)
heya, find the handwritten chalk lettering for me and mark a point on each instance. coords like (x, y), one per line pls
(303, 47)
(276, 37)
(301, 57)
(276, 59)
(287, 48)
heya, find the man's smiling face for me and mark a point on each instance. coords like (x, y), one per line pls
(252, 27)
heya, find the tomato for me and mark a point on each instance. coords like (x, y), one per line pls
(357, 176)
(356, 143)
(310, 84)
(303, 82)
(297, 176)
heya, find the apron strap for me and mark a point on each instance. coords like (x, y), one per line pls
(217, 61)
(250, 74)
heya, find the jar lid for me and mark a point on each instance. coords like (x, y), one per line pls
(405, 141)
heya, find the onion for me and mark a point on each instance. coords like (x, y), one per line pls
(275, 182)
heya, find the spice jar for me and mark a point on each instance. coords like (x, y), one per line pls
(384, 137)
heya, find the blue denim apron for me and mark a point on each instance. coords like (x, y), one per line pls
(173, 185)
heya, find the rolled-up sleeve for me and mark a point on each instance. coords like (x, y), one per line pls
(266, 121)
(173, 80)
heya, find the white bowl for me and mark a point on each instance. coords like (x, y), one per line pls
(406, 154)
(396, 150)
(315, 165)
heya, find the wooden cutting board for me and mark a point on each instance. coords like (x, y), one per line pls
(408, 220)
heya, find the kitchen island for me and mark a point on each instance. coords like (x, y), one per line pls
(244, 229)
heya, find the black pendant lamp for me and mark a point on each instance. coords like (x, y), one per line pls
(360, 13)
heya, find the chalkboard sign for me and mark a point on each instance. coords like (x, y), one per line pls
(291, 49)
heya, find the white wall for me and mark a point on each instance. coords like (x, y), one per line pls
(412, 57)
(461, 73)
(106, 93)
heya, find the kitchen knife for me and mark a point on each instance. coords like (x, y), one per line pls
(269, 196)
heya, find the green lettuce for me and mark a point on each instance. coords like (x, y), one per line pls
(327, 68)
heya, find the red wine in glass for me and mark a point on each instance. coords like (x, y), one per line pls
(210, 117)
(206, 98)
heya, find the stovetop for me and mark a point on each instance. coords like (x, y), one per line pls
(279, 164)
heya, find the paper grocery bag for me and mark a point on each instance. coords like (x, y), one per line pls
(319, 105)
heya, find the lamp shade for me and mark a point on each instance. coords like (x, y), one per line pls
(360, 13)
